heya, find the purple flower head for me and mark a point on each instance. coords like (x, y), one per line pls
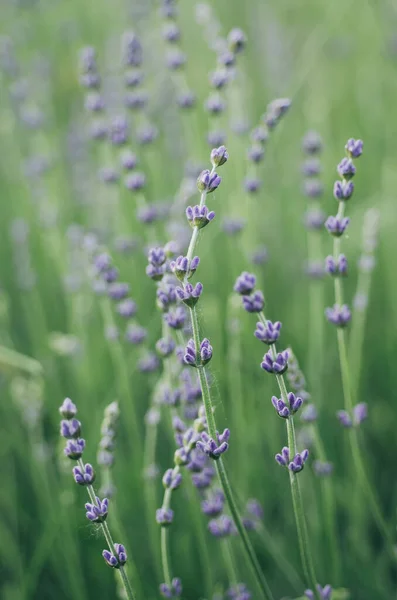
(219, 156)
(199, 216)
(338, 315)
(176, 317)
(313, 188)
(346, 168)
(148, 363)
(118, 131)
(254, 303)
(275, 110)
(178, 425)
(186, 99)
(133, 78)
(74, 449)
(325, 592)
(336, 267)
(118, 290)
(110, 559)
(311, 167)
(205, 353)
(213, 505)
(183, 268)
(108, 175)
(175, 59)
(221, 527)
(94, 102)
(68, 409)
(147, 214)
(343, 190)
(322, 469)
(171, 32)
(146, 134)
(252, 184)
(344, 418)
(268, 333)
(165, 347)
(128, 160)
(337, 226)
(245, 283)
(156, 267)
(354, 148)
(126, 308)
(87, 60)
(131, 49)
(296, 464)
(120, 553)
(171, 479)
(212, 448)
(219, 78)
(207, 182)
(172, 591)
(102, 262)
(135, 334)
(309, 413)
(135, 181)
(110, 275)
(312, 143)
(236, 40)
(166, 297)
(204, 479)
(360, 413)
(256, 153)
(314, 218)
(226, 58)
(85, 475)
(70, 429)
(259, 135)
(164, 516)
(215, 104)
(189, 294)
(97, 512)
(117, 559)
(284, 409)
(277, 365)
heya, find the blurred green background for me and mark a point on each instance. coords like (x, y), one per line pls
(337, 62)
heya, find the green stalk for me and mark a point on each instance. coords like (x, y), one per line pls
(165, 552)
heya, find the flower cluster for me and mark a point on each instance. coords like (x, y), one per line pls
(360, 414)
(253, 301)
(171, 591)
(198, 357)
(296, 464)
(213, 448)
(325, 592)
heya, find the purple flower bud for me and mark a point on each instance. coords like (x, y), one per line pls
(189, 294)
(110, 275)
(298, 462)
(176, 318)
(172, 479)
(226, 58)
(360, 413)
(216, 138)
(252, 184)
(183, 268)
(68, 409)
(146, 134)
(133, 78)
(277, 366)
(135, 181)
(322, 469)
(120, 553)
(110, 559)
(108, 175)
(325, 593)
(309, 414)
(148, 363)
(219, 78)
(336, 226)
(165, 347)
(118, 131)
(175, 59)
(236, 40)
(171, 32)
(164, 516)
(311, 167)
(94, 102)
(70, 429)
(213, 505)
(259, 135)
(346, 168)
(256, 153)
(207, 182)
(253, 303)
(275, 110)
(203, 480)
(354, 148)
(344, 418)
(97, 513)
(254, 508)
(126, 308)
(314, 218)
(338, 315)
(199, 216)
(131, 49)
(102, 262)
(212, 448)
(186, 99)
(215, 104)
(221, 527)
(245, 283)
(312, 143)
(283, 457)
(74, 448)
(343, 190)
(135, 334)
(336, 267)
(313, 188)
(136, 100)
(85, 475)
(118, 290)
(166, 296)
(219, 156)
(268, 333)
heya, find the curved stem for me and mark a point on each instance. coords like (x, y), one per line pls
(164, 541)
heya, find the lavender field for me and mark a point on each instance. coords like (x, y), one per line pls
(198, 296)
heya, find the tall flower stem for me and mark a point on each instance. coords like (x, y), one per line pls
(221, 471)
(164, 542)
(109, 540)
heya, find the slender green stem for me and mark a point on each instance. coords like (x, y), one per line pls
(109, 540)
(224, 480)
(165, 553)
(229, 562)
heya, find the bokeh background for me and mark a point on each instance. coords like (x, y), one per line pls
(337, 63)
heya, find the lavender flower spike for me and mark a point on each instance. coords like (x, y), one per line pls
(245, 283)
(211, 447)
(277, 366)
(268, 333)
(207, 182)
